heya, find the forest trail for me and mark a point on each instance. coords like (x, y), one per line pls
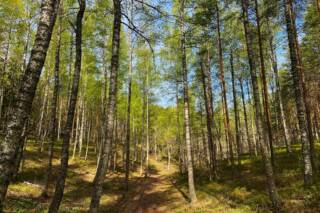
(154, 194)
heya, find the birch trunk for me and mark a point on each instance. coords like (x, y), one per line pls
(62, 174)
(25, 96)
(101, 170)
(53, 119)
(192, 192)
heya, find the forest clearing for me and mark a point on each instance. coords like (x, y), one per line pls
(159, 106)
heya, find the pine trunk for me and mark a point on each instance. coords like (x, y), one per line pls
(298, 89)
(235, 107)
(260, 124)
(264, 84)
(229, 136)
(250, 145)
(283, 119)
(208, 99)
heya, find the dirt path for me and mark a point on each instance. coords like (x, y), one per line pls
(154, 194)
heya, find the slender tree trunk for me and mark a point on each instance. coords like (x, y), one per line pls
(260, 124)
(169, 156)
(23, 105)
(296, 71)
(250, 145)
(235, 107)
(208, 99)
(142, 136)
(256, 146)
(135, 148)
(58, 194)
(83, 121)
(264, 83)
(128, 130)
(70, 67)
(229, 136)
(53, 119)
(4, 70)
(206, 151)
(178, 136)
(192, 191)
(76, 129)
(147, 129)
(101, 170)
(59, 121)
(42, 112)
(88, 139)
(283, 119)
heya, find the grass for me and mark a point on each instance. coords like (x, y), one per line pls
(166, 191)
(247, 192)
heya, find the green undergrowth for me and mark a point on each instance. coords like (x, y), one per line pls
(246, 191)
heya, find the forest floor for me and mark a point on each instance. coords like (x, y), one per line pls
(165, 190)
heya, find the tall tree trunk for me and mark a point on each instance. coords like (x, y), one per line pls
(147, 129)
(260, 124)
(279, 101)
(206, 151)
(264, 83)
(296, 71)
(192, 191)
(23, 105)
(256, 146)
(4, 70)
(83, 122)
(128, 129)
(229, 136)
(53, 119)
(142, 136)
(58, 194)
(76, 129)
(235, 107)
(59, 121)
(178, 137)
(89, 126)
(42, 113)
(250, 145)
(101, 170)
(70, 68)
(208, 99)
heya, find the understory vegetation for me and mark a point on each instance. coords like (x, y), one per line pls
(245, 193)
